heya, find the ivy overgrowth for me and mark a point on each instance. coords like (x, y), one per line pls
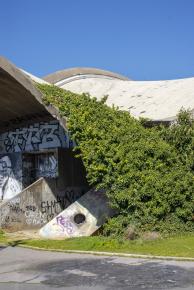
(141, 171)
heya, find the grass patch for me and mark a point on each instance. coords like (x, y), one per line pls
(179, 246)
(3, 238)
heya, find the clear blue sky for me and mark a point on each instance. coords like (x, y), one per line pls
(142, 39)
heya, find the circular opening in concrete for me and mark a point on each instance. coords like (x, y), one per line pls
(79, 218)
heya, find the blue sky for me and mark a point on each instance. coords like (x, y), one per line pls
(142, 39)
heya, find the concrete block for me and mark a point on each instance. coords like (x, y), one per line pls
(35, 206)
(82, 218)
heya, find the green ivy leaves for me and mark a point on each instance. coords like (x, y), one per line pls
(146, 172)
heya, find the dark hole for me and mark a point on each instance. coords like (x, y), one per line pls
(79, 218)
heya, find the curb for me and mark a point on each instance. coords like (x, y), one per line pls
(111, 254)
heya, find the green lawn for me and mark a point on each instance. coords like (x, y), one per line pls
(2, 237)
(179, 246)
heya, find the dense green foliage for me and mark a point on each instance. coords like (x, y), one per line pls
(142, 174)
(181, 136)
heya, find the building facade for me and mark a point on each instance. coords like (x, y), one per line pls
(39, 174)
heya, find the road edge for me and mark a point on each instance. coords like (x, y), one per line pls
(110, 254)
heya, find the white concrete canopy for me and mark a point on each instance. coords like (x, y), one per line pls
(156, 100)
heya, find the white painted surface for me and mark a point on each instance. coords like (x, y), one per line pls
(156, 100)
(9, 185)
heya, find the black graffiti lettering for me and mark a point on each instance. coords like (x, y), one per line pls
(31, 207)
(43, 208)
(15, 208)
(60, 203)
(50, 207)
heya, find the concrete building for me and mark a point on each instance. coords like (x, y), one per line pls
(42, 184)
(34, 147)
(39, 174)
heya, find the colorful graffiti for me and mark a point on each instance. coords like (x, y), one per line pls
(65, 224)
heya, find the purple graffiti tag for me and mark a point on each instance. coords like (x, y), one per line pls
(65, 224)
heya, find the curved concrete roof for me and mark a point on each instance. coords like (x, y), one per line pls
(156, 100)
(71, 74)
(21, 102)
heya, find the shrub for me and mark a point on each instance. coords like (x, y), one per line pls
(140, 170)
(181, 136)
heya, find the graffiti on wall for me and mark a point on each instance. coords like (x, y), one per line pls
(29, 210)
(35, 217)
(38, 165)
(47, 165)
(55, 206)
(60, 226)
(10, 181)
(35, 137)
(65, 224)
(15, 211)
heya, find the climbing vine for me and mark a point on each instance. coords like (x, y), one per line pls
(140, 170)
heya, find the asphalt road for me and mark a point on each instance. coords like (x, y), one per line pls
(25, 269)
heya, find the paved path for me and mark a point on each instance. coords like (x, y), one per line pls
(25, 269)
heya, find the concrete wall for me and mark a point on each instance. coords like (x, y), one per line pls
(50, 145)
(35, 206)
(26, 155)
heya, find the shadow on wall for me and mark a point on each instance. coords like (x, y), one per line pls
(97, 204)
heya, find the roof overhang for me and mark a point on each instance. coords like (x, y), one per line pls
(20, 101)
